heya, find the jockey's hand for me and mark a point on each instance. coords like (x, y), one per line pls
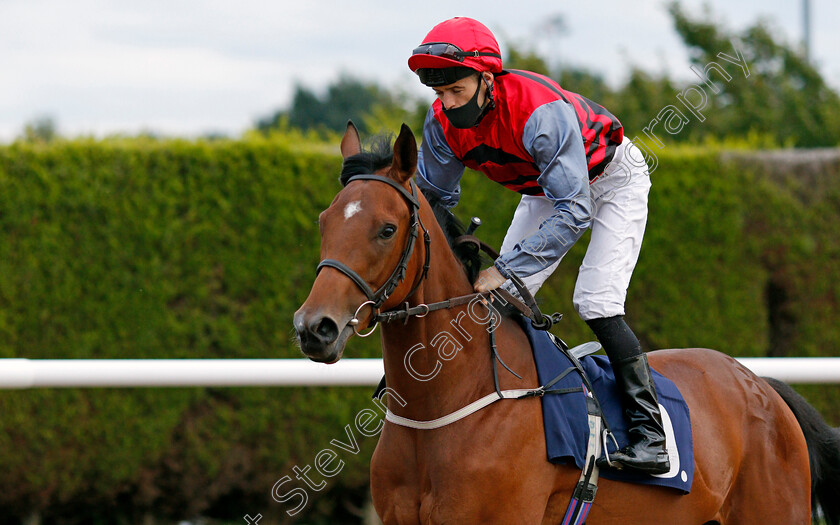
(489, 279)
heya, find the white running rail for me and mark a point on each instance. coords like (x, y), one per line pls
(63, 373)
(18, 373)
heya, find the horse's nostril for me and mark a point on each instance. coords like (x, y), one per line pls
(326, 330)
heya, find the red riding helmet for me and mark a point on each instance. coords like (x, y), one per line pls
(458, 42)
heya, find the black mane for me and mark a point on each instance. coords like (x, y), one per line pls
(380, 155)
(453, 228)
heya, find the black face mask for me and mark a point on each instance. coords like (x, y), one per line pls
(468, 115)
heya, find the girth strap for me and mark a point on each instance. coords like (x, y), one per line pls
(587, 486)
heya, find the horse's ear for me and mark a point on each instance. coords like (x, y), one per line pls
(405, 155)
(351, 144)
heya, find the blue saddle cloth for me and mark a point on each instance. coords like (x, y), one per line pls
(564, 415)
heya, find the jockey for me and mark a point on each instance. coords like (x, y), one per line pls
(569, 159)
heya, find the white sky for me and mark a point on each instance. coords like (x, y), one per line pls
(189, 67)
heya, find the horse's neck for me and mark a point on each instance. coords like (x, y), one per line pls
(442, 362)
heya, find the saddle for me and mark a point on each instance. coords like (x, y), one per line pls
(581, 412)
(593, 383)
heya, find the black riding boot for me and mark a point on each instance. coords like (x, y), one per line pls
(646, 450)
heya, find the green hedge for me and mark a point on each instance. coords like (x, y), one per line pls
(176, 249)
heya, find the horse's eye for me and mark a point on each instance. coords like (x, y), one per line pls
(387, 231)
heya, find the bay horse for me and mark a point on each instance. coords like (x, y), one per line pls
(762, 455)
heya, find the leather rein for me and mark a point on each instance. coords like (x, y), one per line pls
(599, 432)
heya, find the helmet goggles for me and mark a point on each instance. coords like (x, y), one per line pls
(450, 51)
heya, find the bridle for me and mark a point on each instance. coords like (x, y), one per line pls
(529, 307)
(375, 299)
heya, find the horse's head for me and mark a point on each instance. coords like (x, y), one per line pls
(368, 236)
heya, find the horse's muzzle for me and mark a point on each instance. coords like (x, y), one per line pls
(320, 337)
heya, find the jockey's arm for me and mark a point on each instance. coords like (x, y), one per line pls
(552, 137)
(438, 170)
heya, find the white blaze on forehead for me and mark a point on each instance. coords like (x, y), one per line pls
(352, 209)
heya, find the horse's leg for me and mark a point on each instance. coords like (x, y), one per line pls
(823, 450)
(394, 486)
(619, 503)
(565, 481)
(736, 440)
(503, 478)
(460, 474)
(773, 483)
(751, 462)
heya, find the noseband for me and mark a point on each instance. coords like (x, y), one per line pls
(377, 298)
